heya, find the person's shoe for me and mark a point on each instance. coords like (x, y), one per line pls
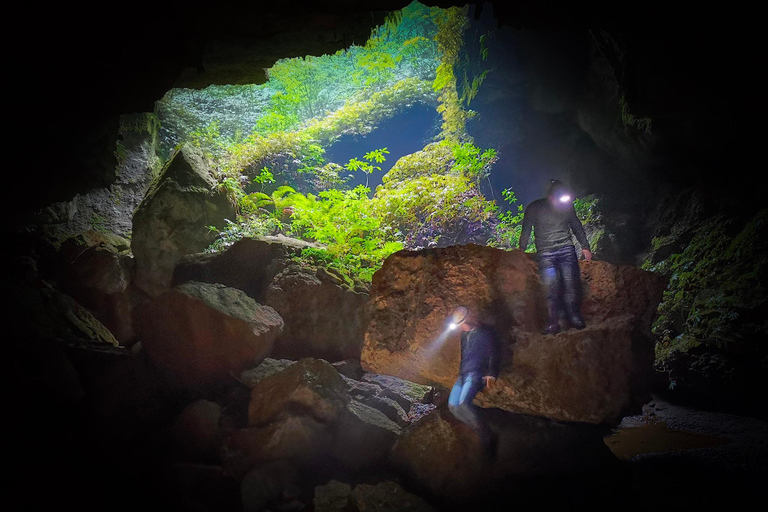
(576, 321)
(552, 328)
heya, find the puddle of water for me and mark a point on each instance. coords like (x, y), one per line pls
(656, 437)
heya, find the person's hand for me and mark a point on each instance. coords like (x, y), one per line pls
(587, 254)
(489, 381)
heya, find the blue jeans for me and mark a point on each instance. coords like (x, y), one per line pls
(559, 270)
(460, 400)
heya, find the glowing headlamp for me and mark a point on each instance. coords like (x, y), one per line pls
(565, 198)
(458, 317)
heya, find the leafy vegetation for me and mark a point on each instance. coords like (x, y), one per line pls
(716, 289)
(267, 144)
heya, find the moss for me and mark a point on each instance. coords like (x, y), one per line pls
(717, 289)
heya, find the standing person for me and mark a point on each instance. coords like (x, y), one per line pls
(553, 219)
(478, 369)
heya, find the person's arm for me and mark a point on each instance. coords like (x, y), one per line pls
(525, 234)
(578, 230)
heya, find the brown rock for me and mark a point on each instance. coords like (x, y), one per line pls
(250, 264)
(298, 438)
(323, 318)
(332, 497)
(197, 433)
(387, 497)
(310, 386)
(364, 436)
(446, 461)
(200, 333)
(97, 272)
(595, 375)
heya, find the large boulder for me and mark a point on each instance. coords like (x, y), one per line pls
(97, 270)
(200, 333)
(324, 316)
(250, 264)
(596, 375)
(37, 310)
(535, 460)
(311, 387)
(173, 219)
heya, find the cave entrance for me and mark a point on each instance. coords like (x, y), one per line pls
(402, 134)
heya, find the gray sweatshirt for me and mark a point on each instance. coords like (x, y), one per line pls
(552, 226)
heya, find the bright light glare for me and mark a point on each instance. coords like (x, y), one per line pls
(565, 198)
(452, 326)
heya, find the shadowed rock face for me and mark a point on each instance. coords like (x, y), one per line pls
(199, 332)
(595, 375)
(173, 219)
(323, 317)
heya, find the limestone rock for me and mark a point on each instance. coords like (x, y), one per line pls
(375, 396)
(97, 271)
(445, 458)
(172, 219)
(295, 438)
(267, 367)
(196, 432)
(364, 436)
(310, 386)
(596, 375)
(250, 264)
(40, 311)
(323, 319)
(332, 497)
(199, 333)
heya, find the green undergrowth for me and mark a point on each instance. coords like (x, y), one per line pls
(717, 290)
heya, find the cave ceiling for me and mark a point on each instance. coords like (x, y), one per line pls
(78, 69)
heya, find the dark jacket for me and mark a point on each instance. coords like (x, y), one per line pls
(551, 226)
(479, 352)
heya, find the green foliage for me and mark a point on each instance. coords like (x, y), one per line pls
(510, 226)
(472, 162)
(342, 220)
(587, 210)
(264, 178)
(279, 201)
(428, 208)
(715, 283)
(377, 156)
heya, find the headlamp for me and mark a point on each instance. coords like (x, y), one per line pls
(458, 317)
(565, 198)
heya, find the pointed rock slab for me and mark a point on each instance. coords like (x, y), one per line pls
(199, 333)
(596, 375)
(173, 219)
